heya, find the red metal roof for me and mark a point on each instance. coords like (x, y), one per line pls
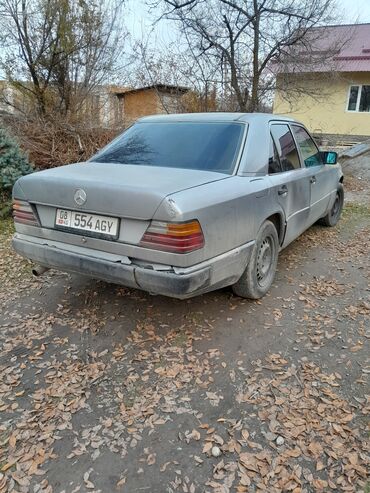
(158, 87)
(348, 45)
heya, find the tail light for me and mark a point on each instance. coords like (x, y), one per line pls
(173, 237)
(23, 213)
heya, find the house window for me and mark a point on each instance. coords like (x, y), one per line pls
(365, 99)
(353, 97)
(359, 99)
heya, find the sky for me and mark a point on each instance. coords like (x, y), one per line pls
(138, 20)
(356, 10)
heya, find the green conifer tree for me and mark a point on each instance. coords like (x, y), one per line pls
(13, 165)
(13, 162)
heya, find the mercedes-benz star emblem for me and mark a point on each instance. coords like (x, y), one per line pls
(80, 196)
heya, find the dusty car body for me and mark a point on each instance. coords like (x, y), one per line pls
(132, 216)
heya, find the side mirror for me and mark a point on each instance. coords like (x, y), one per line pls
(329, 157)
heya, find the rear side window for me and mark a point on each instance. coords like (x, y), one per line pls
(310, 153)
(190, 145)
(274, 163)
(286, 147)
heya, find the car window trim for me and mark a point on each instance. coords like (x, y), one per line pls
(278, 157)
(295, 143)
(294, 124)
(238, 160)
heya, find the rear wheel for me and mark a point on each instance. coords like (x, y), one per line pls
(259, 274)
(333, 216)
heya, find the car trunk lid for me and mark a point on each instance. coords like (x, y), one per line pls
(112, 189)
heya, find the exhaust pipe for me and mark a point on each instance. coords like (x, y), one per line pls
(38, 270)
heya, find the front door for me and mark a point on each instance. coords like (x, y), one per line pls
(319, 176)
(290, 181)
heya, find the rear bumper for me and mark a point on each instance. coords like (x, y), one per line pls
(177, 283)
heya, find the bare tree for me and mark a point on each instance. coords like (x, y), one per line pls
(155, 63)
(56, 52)
(242, 39)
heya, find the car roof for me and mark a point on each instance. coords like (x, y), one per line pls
(216, 117)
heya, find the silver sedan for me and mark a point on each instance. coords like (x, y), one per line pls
(181, 204)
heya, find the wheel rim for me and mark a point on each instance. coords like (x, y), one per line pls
(336, 207)
(265, 259)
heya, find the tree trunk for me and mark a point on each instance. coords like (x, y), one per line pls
(253, 103)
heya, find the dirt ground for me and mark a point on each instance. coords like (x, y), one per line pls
(105, 389)
(357, 171)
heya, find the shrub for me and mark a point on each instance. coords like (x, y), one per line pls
(13, 165)
(53, 142)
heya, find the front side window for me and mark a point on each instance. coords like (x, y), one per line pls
(310, 153)
(188, 145)
(285, 145)
(359, 99)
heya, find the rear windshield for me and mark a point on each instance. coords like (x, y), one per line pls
(201, 146)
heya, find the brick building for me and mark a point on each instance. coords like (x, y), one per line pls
(150, 100)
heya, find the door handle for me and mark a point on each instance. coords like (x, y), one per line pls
(283, 191)
(313, 180)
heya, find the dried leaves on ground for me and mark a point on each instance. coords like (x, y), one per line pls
(132, 393)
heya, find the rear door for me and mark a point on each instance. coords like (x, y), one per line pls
(290, 181)
(319, 175)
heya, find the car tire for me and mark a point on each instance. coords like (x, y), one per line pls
(259, 274)
(333, 216)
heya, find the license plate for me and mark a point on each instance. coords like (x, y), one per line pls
(90, 223)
